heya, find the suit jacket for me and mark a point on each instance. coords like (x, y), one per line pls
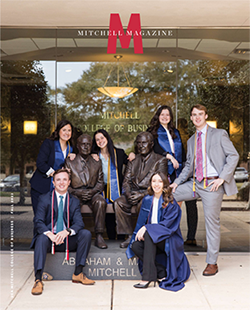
(45, 160)
(85, 174)
(135, 180)
(222, 155)
(122, 159)
(42, 220)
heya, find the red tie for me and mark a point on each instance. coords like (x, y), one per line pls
(199, 161)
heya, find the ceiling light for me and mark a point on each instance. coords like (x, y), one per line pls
(117, 91)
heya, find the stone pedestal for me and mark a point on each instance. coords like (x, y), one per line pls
(107, 264)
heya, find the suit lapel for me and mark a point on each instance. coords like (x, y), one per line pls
(84, 173)
(208, 142)
(65, 209)
(55, 208)
(160, 209)
(150, 163)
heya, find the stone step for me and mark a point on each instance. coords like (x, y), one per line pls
(107, 264)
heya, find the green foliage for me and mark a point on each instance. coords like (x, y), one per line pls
(222, 86)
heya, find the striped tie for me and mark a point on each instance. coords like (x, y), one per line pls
(199, 161)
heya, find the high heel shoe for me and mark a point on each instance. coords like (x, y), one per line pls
(139, 285)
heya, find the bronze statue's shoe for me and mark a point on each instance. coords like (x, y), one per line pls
(99, 242)
(37, 289)
(81, 278)
(190, 242)
(210, 270)
(125, 243)
(47, 277)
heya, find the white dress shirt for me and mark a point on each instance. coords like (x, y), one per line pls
(154, 216)
(207, 166)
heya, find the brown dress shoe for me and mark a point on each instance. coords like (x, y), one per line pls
(81, 278)
(190, 242)
(125, 243)
(210, 270)
(99, 242)
(37, 288)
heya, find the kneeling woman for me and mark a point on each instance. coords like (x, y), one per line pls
(157, 239)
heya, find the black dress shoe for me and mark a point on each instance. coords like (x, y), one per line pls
(125, 243)
(140, 285)
(190, 242)
(99, 242)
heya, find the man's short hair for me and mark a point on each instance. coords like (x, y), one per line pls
(84, 135)
(147, 134)
(198, 107)
(60, 171)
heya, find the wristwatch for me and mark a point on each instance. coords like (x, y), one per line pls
(69, 231)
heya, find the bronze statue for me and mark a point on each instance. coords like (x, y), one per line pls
(136, 182)
(87, 185)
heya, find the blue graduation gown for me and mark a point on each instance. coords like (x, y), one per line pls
(168, 229)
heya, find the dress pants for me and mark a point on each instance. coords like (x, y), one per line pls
(124, 216)
(211, 205)
(146, 251)
(98, 206)
(80, 242)
(192, 213)
(192, 218)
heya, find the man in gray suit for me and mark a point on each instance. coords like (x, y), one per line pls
(208, 174)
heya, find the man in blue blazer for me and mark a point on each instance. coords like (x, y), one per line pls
(208, 174)
(66, 234)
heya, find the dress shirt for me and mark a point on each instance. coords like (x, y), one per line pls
(105, 163)
(154, 216)
(170, 139)
(209, 169)
(64, 153)
(144, 161)
(58, 201)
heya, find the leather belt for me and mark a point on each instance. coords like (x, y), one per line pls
(212, 178)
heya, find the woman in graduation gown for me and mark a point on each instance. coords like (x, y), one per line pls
(51, 157)
(113, 160)
(157, 239)
(167, 142)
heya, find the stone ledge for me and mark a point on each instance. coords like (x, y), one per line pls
(86, 209)
(108, 264)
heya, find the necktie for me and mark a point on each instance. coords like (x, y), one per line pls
(59, 224)
(199, 161)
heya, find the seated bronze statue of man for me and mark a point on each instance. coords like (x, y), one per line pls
(87, 185)
(136, 182)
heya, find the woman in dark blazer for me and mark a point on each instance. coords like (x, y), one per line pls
(157, 239)
(113, 160)
(51, 157)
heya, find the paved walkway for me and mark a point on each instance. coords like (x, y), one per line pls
(227, 290)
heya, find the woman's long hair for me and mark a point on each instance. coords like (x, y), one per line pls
(110, 145)
(155, 123)
(167, 190)
(60, 125)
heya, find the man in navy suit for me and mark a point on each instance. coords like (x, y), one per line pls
(66, 234)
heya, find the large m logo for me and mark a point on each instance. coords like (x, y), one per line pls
(134, 28)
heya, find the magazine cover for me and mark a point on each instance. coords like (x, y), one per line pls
(100, 101)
